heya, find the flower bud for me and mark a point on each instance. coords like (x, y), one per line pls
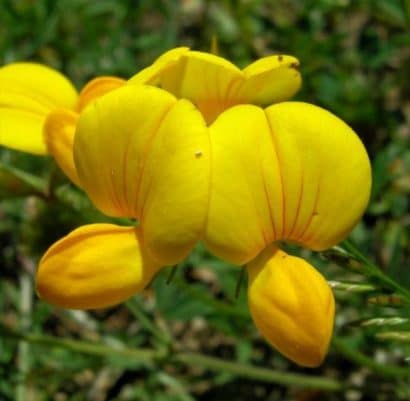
(292, 305)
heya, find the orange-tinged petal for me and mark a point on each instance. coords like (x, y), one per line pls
(28, 92)
(59, 130)
(141, 153)
(284, 173)
(98, 87)
(292, 305)
(95, 266)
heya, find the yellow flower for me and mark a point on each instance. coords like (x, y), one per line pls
(193, 160)
(150, 138)
(39, 108)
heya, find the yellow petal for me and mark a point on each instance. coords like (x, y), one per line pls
(94, 266)
(326, 174)
(214, 84)
(292, 305)
(28, 92)
(203, 78)
(239, 221)
(141, 153)
(98, 87)
(21, 130)
(270, 80)
(113, 138)
(152, 74)
(59, 130)
(40, 83)
(286, 173)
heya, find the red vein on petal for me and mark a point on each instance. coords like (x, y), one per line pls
(313, 214)
(125, 169)
(140, 173)
(275, 148)
(299, 205)
(116, 202)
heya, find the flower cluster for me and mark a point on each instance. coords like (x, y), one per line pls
(195, 149)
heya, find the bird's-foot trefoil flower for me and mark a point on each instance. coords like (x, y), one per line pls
(39, 109)
(210, 163)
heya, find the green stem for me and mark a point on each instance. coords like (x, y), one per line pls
(149, 356)
(140, 316)
(263, 374)
(374, 271)
(22, 390)
(240, 282)
(406, 11)
(83, 347)
(354, 355)
(219, 306)
(172, 273)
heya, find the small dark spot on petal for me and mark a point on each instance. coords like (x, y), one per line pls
(280, 57)
(294, 65)
(198, 154)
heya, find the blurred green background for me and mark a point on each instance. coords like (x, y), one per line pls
(355, 61)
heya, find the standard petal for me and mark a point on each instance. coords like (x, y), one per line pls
(28, 92)
(59, 130)
(97, 88)
(94, 266)
(292, 305)
(286, 173)
(214, 84)
(141, 153)
(270, 80)
(205, 79)
(152, 74)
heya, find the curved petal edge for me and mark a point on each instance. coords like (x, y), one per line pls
(94, 266)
